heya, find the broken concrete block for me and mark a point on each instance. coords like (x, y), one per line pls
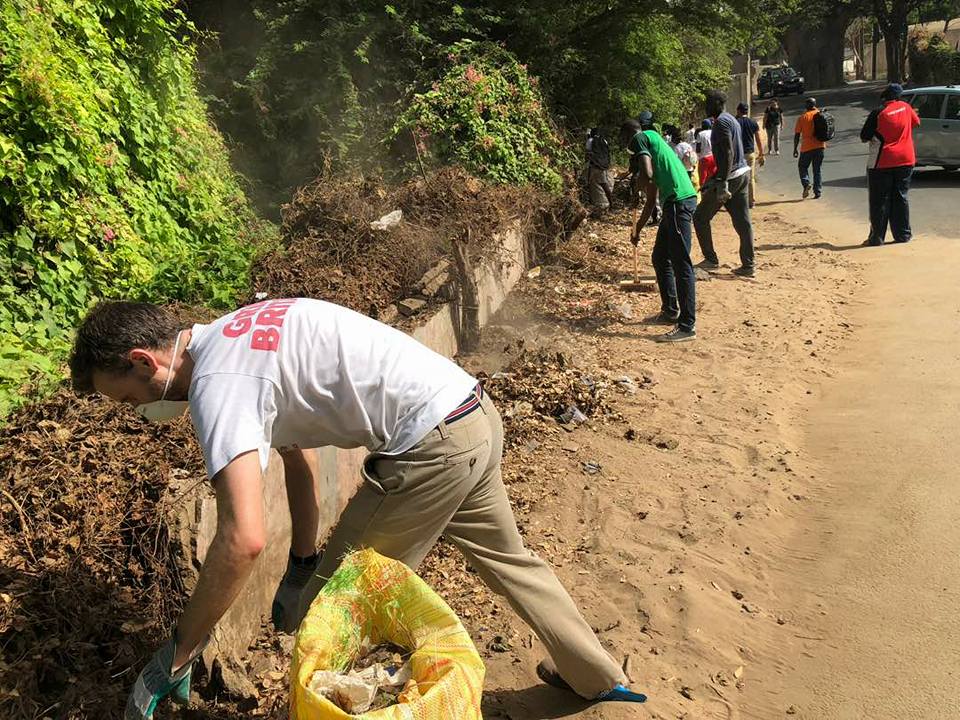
(411, 306)
(441, 269)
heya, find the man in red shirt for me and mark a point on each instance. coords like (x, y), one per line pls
(889, 130)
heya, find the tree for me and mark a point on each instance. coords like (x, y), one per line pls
(815, 40)
(893, 18)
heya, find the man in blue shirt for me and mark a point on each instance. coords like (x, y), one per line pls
(752, 146)
(728, 188)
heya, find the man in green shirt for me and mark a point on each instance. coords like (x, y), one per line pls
(660, 172)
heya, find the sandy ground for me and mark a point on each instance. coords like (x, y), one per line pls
(671, 549)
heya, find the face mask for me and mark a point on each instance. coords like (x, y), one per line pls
(162, 409)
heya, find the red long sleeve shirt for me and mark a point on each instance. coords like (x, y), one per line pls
(894, 127)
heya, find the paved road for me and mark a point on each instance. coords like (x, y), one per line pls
(934, 197)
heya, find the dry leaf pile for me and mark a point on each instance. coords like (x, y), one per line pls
(90, 582)
(540, 387)
(330, 251)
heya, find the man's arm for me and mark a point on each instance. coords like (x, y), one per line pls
(239, 540)
(869, 128)
(725, 158)
(645, 173)
(302, 501)
(796, 138)
(759, 145)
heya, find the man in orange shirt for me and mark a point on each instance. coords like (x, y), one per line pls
(810, 149)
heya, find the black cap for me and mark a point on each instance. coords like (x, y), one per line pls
(811, 102)
(645, 118)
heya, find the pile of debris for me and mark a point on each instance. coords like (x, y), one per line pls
(368, 246)
(90, 576)
(540, 386)
(378, 678)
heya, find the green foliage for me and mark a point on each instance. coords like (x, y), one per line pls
(302, 87)
(112, 182)
(933, 61)
(486, 114)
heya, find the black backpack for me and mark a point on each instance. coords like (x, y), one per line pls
(824, 126)
(600, 152)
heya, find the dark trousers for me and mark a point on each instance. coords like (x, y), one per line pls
(671, 261)
(888, 190)
(738, 206)
(814, 157)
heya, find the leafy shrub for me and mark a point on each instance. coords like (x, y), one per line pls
(112, 182)
(932, 60)
(486, 114)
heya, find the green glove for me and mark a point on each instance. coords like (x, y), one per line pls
(156, 681)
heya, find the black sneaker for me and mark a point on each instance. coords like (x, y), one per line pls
(708, 265)
(903, 240)
(677, 335)
(743, 271)
(870, 242)
(806, 191)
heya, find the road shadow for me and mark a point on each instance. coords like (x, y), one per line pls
(765, 203)
(815, 245)
(539, 702)
(939, 179)
(856, 181)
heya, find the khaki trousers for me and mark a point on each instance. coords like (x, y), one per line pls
(751, 159)
(450, 483)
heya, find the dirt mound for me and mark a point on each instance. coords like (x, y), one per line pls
(540, 386)
(90, 584)
(331, 250)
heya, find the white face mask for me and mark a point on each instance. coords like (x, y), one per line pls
(163, 409)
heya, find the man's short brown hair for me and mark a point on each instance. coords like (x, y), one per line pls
(110, 331)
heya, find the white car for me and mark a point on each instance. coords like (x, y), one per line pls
(937, 140)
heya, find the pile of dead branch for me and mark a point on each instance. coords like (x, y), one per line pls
(90, 583)
(540, 387)
(331, 248)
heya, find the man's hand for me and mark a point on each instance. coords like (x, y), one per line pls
(158, 680)
(723, 193)
(635, 237)
(761, 160)
(718, 186)
(796, 153)
(288, 606)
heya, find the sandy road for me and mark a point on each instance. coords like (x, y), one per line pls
(874, 572)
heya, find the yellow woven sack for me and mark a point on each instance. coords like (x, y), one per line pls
(373, 597)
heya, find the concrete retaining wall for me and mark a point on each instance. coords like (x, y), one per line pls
(337, 472)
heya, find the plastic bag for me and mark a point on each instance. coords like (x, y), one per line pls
(388, 221)
(376, 599)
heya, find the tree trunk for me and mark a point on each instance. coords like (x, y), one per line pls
(817, 53)
(895, 40)
(469, 294)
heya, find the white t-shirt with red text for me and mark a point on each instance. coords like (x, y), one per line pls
(307, 373)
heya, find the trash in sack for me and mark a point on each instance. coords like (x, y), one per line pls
(388, 221)
(374, 682)
(369, 601)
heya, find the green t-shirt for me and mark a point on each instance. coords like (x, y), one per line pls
(669, 174)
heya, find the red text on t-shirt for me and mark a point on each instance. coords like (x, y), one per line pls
(265, 318)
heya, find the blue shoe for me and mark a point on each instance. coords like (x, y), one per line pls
(622, 694)
(548, 673)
